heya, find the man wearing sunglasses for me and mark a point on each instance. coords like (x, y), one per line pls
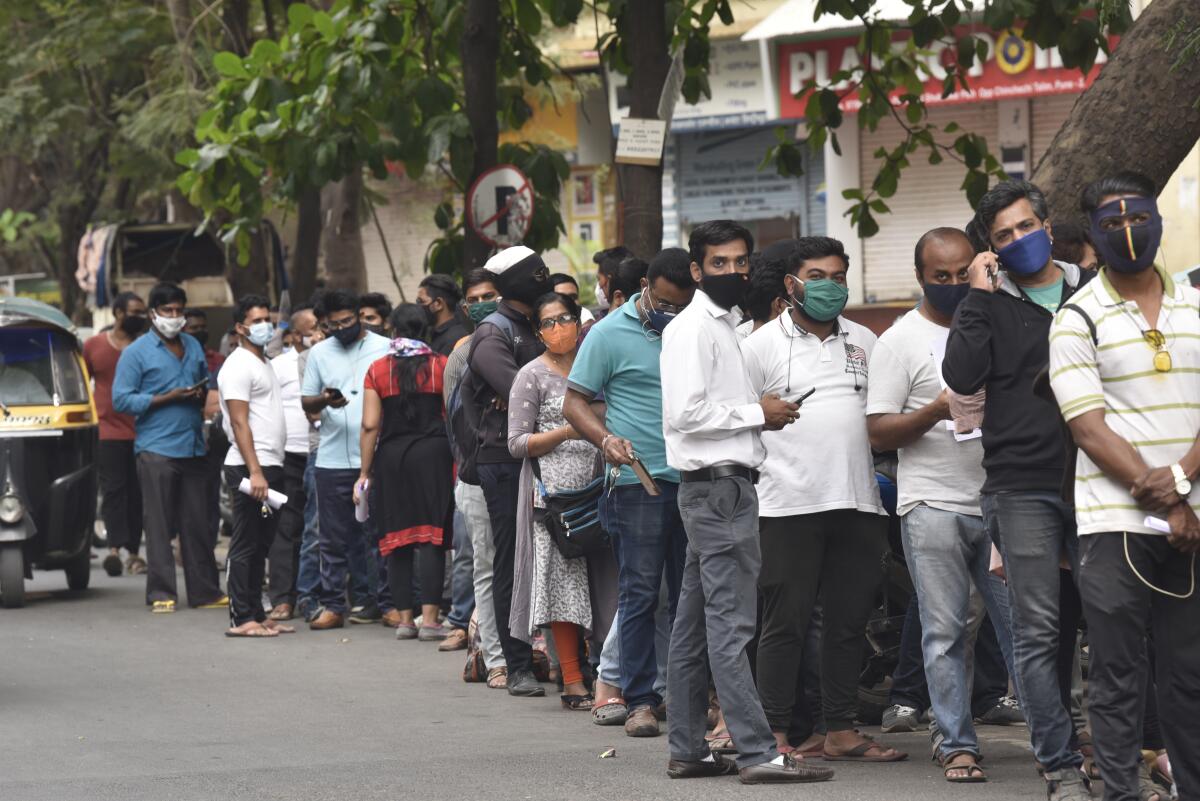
(1123, 366)
(620, 358)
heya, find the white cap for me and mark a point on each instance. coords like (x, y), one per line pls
(508, 257)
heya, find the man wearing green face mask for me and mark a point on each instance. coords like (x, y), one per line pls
(822, 527)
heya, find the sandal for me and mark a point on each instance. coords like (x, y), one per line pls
(577, 703)
(497, 678)
(162, 607)
(866, 751)
(719, 742)
(135, 566)
(276, 626)
(611, 712)
(958, 761)
(282, 612)
(259, 631)
(1091, 769)
(1148, 788)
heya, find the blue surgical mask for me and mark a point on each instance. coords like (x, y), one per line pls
(658, 319)
(261, 333)
(1026, 255)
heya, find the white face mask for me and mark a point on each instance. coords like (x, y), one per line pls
(601, 298)
(261, 333)
(169, 327)
(306, 342)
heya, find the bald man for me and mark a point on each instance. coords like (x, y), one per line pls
(284, 557)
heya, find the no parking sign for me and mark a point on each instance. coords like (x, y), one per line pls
(500, 206)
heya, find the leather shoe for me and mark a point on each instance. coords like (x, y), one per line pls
(524, 685)
(327, 620)
(684, 769)
(790, 771)
(456, 640)
(642, 722)
(391, 618)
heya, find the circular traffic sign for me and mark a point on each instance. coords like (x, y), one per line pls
(500, 206)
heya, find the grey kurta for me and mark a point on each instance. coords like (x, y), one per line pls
(546, 587)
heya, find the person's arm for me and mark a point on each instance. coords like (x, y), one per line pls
(128, 397)
(493, 360)
(889, 427)
(968, 360)
(239, 421)
(368, 437)
(314, 395)
(590, 373)
(524, 440)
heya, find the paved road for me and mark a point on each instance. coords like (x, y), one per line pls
(101, 700)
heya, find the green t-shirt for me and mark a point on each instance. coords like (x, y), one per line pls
(618, 359)
(1048, 296)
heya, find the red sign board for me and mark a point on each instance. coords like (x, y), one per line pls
(1014, 68)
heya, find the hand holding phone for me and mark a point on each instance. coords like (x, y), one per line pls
(799, 399)
(334, 397)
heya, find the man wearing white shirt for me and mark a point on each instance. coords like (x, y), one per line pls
(824, 528)
(711, 423)
(254, 422)
(938, 483)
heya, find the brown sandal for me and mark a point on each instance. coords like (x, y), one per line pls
(497, 678)
(974, 773)
(863, 752)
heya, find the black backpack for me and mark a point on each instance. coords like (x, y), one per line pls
(464, 414)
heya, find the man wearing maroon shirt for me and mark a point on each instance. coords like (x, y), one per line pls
(121, 495)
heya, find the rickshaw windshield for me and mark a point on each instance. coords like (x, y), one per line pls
(38, 366)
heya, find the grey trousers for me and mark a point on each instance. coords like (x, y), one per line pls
(470, 501)
(175, 500)
(714, 622)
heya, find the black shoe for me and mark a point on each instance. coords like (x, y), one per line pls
(366, 614)
(790, 771)
(524, 685)
(112, 565)
(719, 766)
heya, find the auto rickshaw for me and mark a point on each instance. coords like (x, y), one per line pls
(48, 441)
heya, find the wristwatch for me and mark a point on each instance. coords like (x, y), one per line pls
(1182, 485)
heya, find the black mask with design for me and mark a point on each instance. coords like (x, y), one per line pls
(1128, 249)
(727, 290)
(525, 281)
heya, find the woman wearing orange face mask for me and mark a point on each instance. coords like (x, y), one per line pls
(549, 590)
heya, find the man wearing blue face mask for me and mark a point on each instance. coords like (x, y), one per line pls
(1000, 341)
(620, 359)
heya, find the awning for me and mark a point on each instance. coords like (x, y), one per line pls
(795, 18)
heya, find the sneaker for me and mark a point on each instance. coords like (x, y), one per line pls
(406, 631)
(1067, 784)
(900, 718)
(642, 722)
(432, 634)
(365, 614)
(1006, 712)
(523, 685)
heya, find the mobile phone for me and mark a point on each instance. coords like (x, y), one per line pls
(799, 401)
(336, 393)
(203, 384)
(643, 475)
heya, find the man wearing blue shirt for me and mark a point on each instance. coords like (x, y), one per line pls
(161, 380)
(333, 388)
(620, 358)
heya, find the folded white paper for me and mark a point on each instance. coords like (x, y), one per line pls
(274, 499)
(361, 512)
(1157, 523)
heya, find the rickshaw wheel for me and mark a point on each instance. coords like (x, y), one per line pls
(12, 576)
(79, 571)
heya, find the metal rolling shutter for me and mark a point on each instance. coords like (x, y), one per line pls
(928, 196)
(1047, 114)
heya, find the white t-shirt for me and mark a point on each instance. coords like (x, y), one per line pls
(245, 377)
(287, 370)
(823, 460)
(937, 469)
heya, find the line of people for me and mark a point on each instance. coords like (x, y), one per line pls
(722, 427)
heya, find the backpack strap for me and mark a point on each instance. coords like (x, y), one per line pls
(1087, 319)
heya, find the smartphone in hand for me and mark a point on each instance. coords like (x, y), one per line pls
(200, 385)
(799, 399)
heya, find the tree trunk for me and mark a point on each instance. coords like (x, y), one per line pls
(1138, 115)
(181, 22)
(480, 51)
(236, 16)
(307, 247)
(648, 45)
(345, 263)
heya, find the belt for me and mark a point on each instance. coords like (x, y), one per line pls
(721, 471)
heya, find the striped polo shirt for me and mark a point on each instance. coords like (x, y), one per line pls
(1156, 412)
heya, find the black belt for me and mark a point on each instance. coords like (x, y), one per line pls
(722, 471)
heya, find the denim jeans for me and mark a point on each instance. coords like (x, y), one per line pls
(368, 570)
(342, 541)
(610, 655)
(650, 543)
(947, 552)
(308, 577)
(462, 579)
(1032, 530)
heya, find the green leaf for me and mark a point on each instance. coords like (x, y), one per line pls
(265, 51)
(867, 227)
(725, 12)
(299, 15)
(529, 17)
(229, 65)
(975, 183)
(324, 25)
(184, 158)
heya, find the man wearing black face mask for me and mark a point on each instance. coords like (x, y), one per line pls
(121, 494)
(375, 311)
(1123, 367)
(439, 296)
(502, 344)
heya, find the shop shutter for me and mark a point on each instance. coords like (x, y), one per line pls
(1048, 115)
(929, 196)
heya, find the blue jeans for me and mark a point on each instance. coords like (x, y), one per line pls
(308, 577)
(462, 576)
(609, 668)
(368, 570)
(342, 540)
(1032, 530)
(946, 552)
(650, 542)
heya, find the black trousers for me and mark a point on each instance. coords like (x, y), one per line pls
(284, 558)
(175, 499)
(836, 556)
(120, 494)
(500, 490)
(429, 563)
(1118, 605)
(252, 535)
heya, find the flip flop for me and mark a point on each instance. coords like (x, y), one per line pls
(252, 634)
(136, 566)
(859, 753)
(162, 607)
(282, 612)
(276, 626)
(721, 743)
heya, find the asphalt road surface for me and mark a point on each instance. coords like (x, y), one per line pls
(101, 700)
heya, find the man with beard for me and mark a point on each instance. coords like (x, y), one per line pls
(502, 344)
(120, 493)
(439, 297)
(375, 311)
